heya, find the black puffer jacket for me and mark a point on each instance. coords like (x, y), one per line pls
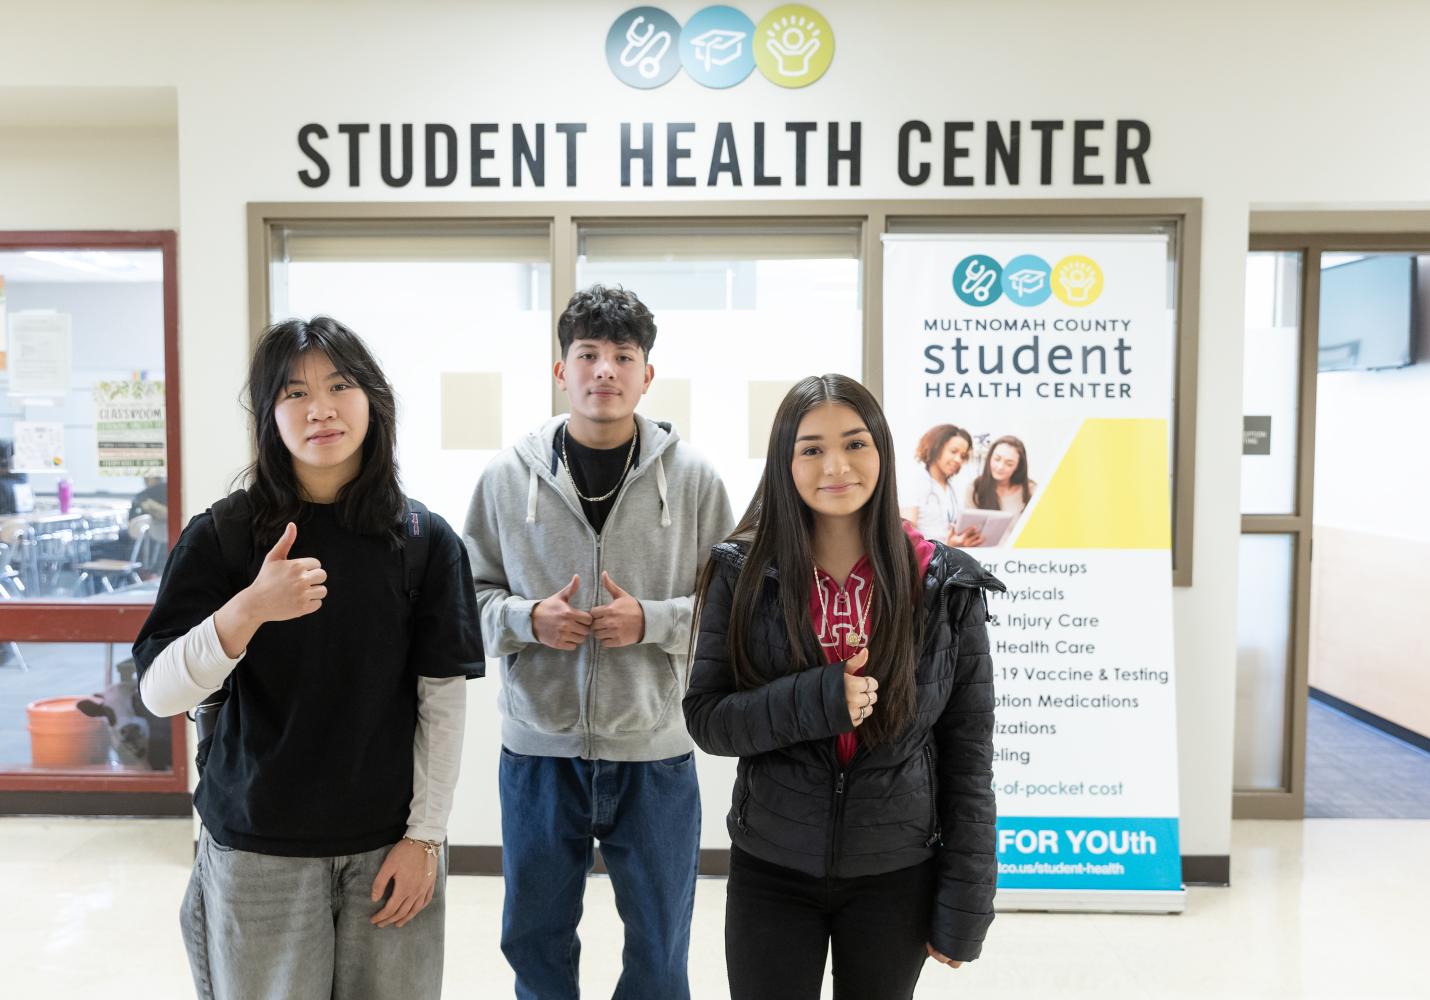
(927, 794)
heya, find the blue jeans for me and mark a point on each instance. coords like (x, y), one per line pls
(647, 817)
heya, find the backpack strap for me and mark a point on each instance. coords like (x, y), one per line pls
(233, 520)
(416, 543)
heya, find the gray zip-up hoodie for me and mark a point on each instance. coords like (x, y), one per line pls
(527, 536)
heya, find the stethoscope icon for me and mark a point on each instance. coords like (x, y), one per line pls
(638, 51)
(978, 281)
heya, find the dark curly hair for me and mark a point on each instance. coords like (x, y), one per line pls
(601, 313)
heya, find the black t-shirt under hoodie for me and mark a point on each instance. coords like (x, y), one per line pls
(312, 753)
(598, 471)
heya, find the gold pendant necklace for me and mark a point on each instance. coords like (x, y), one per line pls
(858, 637)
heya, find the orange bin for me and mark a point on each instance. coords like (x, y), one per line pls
(63, 736)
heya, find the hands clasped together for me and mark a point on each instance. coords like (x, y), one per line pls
(557, 623)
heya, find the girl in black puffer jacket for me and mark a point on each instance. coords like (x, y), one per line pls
(844, 659)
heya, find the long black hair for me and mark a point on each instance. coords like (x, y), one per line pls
(777, 531)
(372, 502)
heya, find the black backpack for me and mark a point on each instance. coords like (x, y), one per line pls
(233, 520)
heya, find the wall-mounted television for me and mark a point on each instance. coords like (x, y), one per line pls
(1368, 312)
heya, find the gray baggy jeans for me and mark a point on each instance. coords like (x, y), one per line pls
(260, 927)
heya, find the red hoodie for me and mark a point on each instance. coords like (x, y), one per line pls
(838, 614)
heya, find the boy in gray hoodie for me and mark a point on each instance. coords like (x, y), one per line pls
(586, 539)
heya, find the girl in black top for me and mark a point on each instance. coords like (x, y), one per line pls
(844, 659)
(340, 620)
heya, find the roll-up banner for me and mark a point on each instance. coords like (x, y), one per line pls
(1052, 356)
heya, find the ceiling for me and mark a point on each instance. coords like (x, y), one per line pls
(88, 266)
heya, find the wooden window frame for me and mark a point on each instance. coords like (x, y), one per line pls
(56, 621)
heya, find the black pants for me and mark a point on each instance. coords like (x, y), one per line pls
(779, 925)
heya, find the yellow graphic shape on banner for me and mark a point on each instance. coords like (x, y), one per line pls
(1111, 491)
(1077, 280)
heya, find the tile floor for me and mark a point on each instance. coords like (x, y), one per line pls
(1355, 771)
(1321, 908)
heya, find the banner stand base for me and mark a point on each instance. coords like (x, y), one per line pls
(1081, 901)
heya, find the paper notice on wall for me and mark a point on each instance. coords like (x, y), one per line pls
(38, 353)
(129, 427)
(39, 446)
(1052, 355)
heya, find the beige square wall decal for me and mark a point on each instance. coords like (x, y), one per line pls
(471, 411)
(765, 399)
(668, 399)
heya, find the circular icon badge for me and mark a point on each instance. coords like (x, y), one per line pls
(641, 47)
(1077, 281)
(977, 280)
(794, 45)
(1027, 280)
(717, 47)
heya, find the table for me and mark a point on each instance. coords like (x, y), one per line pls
(43, 541)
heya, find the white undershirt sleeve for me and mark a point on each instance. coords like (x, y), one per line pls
(190, 668)
(436, 754)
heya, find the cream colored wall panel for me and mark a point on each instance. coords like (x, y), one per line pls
(471, 411)
(764, 400)
(669, 399)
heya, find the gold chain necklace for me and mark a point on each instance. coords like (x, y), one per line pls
(622, 478)
(856, 638)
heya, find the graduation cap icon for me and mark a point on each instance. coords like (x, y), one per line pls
(718, 47)
(1027, 281)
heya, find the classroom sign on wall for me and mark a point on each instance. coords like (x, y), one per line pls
(1054, 354)
(129, 427)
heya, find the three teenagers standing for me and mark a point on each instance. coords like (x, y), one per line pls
(844, 659)
(337, 617)
(330, 622)
(586, 541)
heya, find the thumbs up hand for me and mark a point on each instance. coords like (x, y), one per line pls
(860, 692)
(285, 588)
(556, 623)
(622, 621)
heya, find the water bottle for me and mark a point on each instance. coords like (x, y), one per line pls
(66, 494)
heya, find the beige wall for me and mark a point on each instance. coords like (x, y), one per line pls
(1369, 585)
(1369, 593)
(88, 177)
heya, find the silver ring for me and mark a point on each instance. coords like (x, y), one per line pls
(864, 712)
(867, 700)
